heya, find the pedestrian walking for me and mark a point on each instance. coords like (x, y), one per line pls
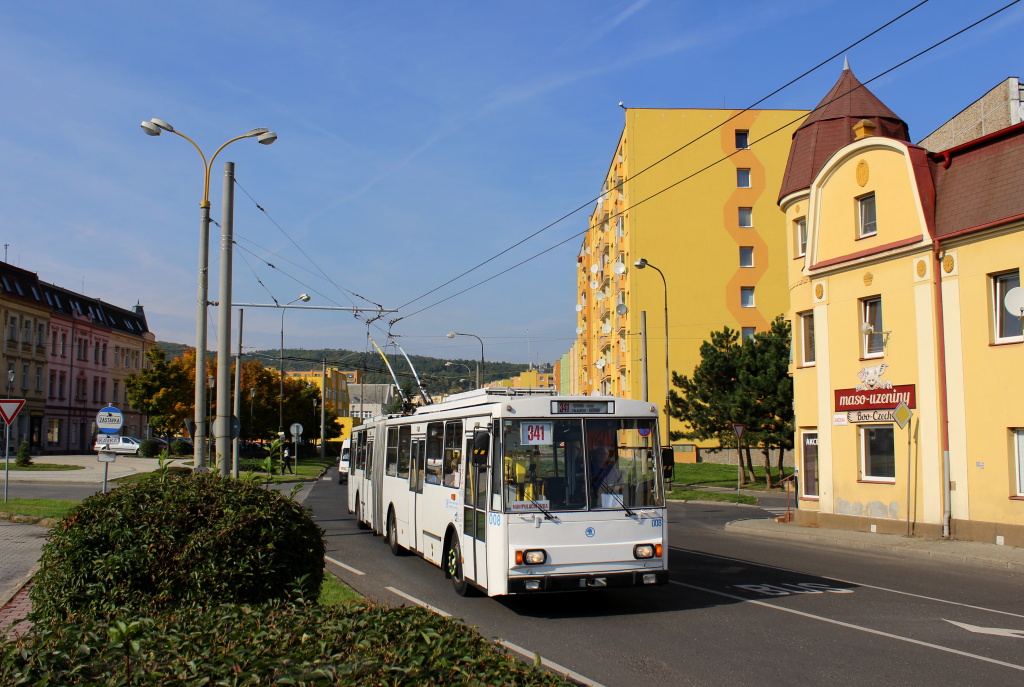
(286, 463)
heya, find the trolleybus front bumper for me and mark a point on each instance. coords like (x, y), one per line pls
(567, 583)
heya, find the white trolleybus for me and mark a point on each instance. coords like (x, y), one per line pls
(515, 491)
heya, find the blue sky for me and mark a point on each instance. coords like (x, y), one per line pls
(416, 141)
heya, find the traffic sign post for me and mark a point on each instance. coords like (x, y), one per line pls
(106, 457)
(296, 430)
(9, 409)
(739, 429)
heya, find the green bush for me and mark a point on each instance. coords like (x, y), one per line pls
(149, 448)
(271, 644)
(180, 448)
(24, 458)
(167, 543)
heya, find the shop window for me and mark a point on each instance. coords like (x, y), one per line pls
(878, 453)
(809, 460)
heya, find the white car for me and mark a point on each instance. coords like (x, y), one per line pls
(343, 462)
(129, 445)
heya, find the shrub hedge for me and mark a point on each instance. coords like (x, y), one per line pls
(271, 644)
(180, 448)
(165, 543)
(149, 448)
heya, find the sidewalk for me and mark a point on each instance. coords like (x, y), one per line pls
(965, 552)
(90, 472)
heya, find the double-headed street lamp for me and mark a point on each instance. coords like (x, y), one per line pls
(280, 401)
(480, 369)
(640, 264)
(154, 127)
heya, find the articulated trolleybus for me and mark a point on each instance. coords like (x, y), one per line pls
(515, 491)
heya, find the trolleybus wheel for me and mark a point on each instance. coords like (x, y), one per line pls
(453, 568)
(359, 516)
(392, 535)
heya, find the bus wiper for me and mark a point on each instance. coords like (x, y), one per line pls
(605, 489)
(547, 514)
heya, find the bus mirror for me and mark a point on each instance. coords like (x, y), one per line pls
(481, 447)
(668, 462)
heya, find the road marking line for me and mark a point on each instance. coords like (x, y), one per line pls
(422, 604)
(851, 626)
(342, 565)
(859, 584)
(550, 665)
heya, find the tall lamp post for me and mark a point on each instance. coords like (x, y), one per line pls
(280, 401)
(480, 369)
(153, 128)
(640, 264)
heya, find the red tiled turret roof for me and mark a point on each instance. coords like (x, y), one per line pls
(829, 127)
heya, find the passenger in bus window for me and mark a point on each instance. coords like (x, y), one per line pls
(452, 476)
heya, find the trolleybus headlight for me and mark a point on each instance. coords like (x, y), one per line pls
(643, 551)
(532, 557)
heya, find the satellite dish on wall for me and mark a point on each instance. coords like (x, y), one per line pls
(600, 363)
(594, 268)
(579, 308)
(599, 295)
(620, 268)
(1014, 301)
(607, 329)
(594, 284)
(621, 309)
(866, 328)
(579, 330)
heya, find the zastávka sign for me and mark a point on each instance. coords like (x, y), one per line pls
(849, 400)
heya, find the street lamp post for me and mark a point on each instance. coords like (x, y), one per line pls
(640, 264)
(153, 128)
(480, 368)
(209, 404)
(280, 401)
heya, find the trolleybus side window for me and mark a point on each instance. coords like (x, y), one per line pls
(435, 448)
(392, 452)
(416, 466)
(404, 448)
(453, 454)
(361, 451)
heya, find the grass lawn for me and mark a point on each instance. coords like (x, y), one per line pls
(334, 591)
(43, 467)
(715, 475)
(706, 495)
(38, 508)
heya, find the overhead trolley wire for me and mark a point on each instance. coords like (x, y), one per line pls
(706, 167)
(663, 159)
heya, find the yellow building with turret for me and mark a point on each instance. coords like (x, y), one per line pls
(907, 365)
(692, 193)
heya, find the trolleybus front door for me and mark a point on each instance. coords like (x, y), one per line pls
(474, 498)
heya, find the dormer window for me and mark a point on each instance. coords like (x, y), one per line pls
(866, 216)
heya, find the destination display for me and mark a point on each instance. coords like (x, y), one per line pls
(582, 407)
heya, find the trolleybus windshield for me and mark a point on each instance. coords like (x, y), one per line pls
(554, 464)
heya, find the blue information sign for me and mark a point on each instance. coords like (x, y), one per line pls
(109, 420)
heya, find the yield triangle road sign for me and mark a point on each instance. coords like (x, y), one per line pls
(9, 408)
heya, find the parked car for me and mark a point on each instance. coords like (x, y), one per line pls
(343, 461)
(127, 445)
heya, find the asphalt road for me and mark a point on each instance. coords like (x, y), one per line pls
(738, 610)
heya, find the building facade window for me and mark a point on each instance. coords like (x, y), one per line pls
(746, 296)
(24, 375)
(873, 333)
(742, 139)
(746, 256)
(742, 178)
(1007, 327)
(800, 236)
(748, 332)
(63, 345)
(806, 323)
(53, 431)
(1018, 444)
(39, 377)
(746, 217)
(53, 345)
(878, 453)
(12, 330)
(866, 222)
(809, 460)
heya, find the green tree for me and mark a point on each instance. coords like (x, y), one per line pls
(164, 390)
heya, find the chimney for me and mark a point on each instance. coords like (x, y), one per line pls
(863, 129)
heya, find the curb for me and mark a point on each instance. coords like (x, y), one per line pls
(969, 553)
(6, 598)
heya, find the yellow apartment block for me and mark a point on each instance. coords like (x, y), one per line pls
(692, 192)
(907, 365)
(333, 387)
